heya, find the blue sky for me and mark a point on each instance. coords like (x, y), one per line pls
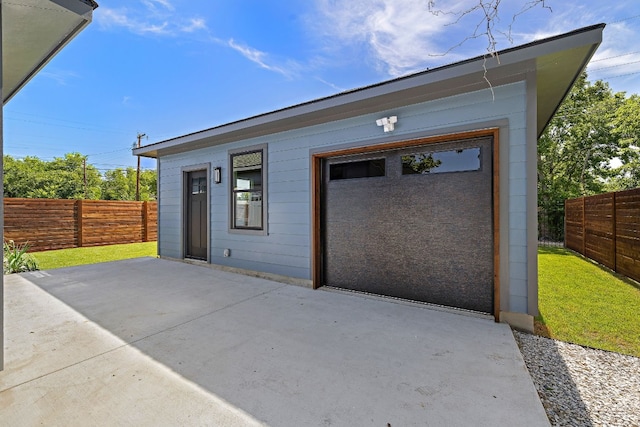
(170, 67)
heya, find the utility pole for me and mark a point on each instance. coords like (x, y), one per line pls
(84, 171)
(140, 136)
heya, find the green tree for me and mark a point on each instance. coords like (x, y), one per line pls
(148, 185)
(627, 122)
(120, 184)
(576, 151)
(68, 177)
(577, 148)
(20, 175)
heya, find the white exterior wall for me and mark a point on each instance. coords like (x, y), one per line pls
(286, 250)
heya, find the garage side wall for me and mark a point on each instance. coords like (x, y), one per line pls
(286, 250)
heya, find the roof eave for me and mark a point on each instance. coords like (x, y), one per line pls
(563, 56)
(81, 9)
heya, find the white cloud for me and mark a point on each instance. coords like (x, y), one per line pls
(400, 34)
(331, 85)
(262, 59)
(109, 18)
(60, 76)
(405, 36)
(617, 59)
(150, 20)
(554, 22)
(194, 24)
(151, 4)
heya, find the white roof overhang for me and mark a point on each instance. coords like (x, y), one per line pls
(33, 31)
(556, 62)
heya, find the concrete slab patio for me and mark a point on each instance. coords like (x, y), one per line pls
(156, 342)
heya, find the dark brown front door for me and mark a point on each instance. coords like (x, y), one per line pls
(196, 215)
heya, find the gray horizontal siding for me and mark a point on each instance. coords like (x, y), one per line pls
(301, 196)
(286, 249)
(284, 208)
(291, 175)
(255, 265)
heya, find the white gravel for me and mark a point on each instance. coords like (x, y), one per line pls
(582, 386)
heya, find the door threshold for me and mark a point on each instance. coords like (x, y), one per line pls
(195, 261)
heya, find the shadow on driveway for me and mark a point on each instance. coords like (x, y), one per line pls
(158, 342)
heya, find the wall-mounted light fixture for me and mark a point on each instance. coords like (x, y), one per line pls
(217, 175)
(388, 123)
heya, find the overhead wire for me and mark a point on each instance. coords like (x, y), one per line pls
(624, 19)
(91, 127)
(86, 126)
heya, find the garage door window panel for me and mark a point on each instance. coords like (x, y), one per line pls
(460, 160)
(358, 169)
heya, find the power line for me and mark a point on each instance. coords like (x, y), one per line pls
(140, 136)
(65, 126)
(113, 165)
(624, 19)
(614, 66)
(109, 152)
(615, 56)
(39, 116)
(623, 75)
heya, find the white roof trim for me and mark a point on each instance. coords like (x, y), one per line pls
(557, 61)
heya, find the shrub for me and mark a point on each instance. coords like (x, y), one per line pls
(16, 259)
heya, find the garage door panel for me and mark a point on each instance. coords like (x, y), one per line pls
(422, 237)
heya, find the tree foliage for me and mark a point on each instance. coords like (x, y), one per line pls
(589, 147)
(627, 120)
(72, 177)
(61, 178)
(577, 150)
(120, 184)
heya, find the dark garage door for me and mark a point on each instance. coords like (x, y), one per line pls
(413, 223)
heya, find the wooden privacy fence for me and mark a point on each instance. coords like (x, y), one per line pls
(606, 228)
(58, 224)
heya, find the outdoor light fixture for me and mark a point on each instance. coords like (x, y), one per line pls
(217, 175)
(388, 123)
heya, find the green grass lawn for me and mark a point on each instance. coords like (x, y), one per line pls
(584, 303)
(90, 255)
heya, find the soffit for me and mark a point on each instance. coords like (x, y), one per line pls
(33, 31)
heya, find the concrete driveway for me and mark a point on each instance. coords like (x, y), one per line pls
(156, 342)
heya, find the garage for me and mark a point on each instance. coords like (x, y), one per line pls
(412, 221)
(422, 187)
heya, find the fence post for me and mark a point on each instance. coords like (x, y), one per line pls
(615, 233)
(584, 228)
(145, 221)
(79, 225)
(564, 223)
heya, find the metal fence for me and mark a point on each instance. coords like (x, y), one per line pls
(551, 225)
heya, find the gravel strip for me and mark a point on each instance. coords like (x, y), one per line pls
(581, 386)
